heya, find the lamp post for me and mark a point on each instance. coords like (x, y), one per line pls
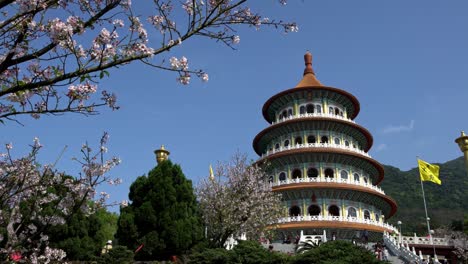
(462, 142)
(399, 234)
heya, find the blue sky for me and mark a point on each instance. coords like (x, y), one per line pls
(406, 62)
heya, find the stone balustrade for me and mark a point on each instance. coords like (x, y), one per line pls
(315, 145)
(424, 240)
(314, 115)
(302, 218)
(401, 250)
(327, 180)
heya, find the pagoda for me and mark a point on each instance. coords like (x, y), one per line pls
(318, 160)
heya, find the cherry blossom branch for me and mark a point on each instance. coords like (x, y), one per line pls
(48, 63)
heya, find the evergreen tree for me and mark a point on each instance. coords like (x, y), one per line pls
(82, 237)
(162, 215)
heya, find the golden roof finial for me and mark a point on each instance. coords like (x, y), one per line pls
(211, 177)
(161, 154)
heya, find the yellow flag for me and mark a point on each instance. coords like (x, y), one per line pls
(211, 173)
(429, 172)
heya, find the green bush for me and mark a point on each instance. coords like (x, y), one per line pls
(336, 252)
(212, 256)
(246, 252)
(251, 252)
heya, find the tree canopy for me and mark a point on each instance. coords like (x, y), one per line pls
(82, 237)
(237, 200)
(162, 214)
(34, 198)
(53, 53)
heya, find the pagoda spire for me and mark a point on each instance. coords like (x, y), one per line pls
(308, 63)
(309, 78)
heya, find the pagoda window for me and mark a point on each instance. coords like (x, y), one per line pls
(312, 173)
(296, 173)
(346, 143)
(310, 108)
(344, 175)
(294, 210)
(302, 110)
(354, 145)
(377, 217)
(333, 210)
(356, 177)
(366, 214)
(324, 139)
(311, 139)
(270, 179)
(337, 141)
(319, 108)
(290, 112)
(352, 212)
(284, 114)
(282, 176)
(314, 210)
(330, 110)
(365, 179)
(286, 142)
(337, 111)
(277, 146)
(329, 173)
(298, 140)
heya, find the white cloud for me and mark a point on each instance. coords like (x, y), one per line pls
(381, 147)
(400, 128)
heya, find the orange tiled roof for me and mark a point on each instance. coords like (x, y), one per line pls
(309, 78)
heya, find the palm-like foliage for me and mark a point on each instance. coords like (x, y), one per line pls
(307, 245)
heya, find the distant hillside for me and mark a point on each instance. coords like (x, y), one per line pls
(445, 203)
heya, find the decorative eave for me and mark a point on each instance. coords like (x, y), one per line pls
(333, 153)
(362, 130)
(340, 186)
(308, 92)
(332, 225)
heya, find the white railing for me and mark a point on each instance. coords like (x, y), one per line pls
(315, 145)
(438, 241)
(302, 218)
(401, 250)
(330, 180)
(313, 115)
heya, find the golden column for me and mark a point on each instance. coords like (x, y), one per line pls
(161, 154)
(462, 142)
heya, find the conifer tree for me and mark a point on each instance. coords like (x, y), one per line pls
(162, 214)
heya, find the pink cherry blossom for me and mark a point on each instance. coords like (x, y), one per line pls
(49, 46)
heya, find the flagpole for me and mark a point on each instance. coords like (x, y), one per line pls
(427, 217)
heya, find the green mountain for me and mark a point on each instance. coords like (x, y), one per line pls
(446, 203)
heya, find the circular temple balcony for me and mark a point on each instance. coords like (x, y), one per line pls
(322, 115)
(316, 145)
(346, 182)
(318, 221)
